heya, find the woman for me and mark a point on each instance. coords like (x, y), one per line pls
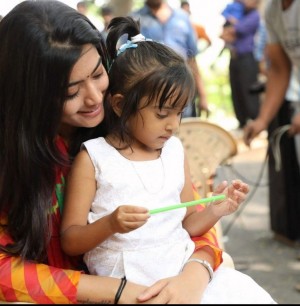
(52, 84)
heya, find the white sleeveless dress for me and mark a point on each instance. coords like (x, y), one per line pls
(159, 248)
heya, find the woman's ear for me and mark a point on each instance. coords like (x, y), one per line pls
(116, 103)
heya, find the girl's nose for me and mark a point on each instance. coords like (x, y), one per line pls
(173, 124)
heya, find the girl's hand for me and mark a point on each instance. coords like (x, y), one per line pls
(127, 218)
(236, 193)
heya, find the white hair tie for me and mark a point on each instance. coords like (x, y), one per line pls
(137, 38)
(132, 43)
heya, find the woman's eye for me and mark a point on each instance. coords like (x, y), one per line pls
(73, 96)
(97, 76)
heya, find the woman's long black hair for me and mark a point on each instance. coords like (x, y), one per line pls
(40, 41)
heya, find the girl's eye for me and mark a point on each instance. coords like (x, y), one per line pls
(161, 115)
(73, 96)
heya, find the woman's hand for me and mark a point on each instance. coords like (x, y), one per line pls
(185, 288)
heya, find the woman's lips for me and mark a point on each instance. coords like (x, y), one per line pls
(93, 112)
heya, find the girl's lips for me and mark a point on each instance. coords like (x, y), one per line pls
(165, 138)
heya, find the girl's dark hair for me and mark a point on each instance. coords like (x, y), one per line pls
(151, 70)
(40, 41)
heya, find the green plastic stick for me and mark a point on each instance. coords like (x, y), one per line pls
(186, 204)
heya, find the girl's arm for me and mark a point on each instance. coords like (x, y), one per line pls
(77, 236)
(203, 220)
(207, 242)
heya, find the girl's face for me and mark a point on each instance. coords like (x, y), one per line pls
(87, 86)
(152, 127)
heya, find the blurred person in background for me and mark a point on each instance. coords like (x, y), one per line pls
(82, 7)
(232, 13)
(260, 41)
(243, 68)
(107, 14)
(281, 109)
(199, 29)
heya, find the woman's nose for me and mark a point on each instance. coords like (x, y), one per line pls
(94, 95)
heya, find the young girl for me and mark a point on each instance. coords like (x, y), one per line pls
(140, 166)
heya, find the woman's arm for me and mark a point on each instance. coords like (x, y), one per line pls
(26, 281)
(30, 282)
(94, 289)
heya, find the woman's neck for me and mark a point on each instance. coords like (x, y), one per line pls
(66, 132)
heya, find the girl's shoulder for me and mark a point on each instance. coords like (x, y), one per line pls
(95, 142)
(174, 143)
(97, 146)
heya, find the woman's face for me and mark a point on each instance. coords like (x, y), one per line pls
(87, 86)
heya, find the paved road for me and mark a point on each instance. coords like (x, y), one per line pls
(248, 238)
